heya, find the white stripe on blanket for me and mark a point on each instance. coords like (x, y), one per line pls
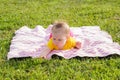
(95, 43)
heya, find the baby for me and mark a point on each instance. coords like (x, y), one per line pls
(60, 39)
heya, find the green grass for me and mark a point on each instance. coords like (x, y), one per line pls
(17, 13)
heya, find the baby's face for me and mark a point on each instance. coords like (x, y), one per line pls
(59, 40)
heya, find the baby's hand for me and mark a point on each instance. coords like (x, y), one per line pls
(78, 45)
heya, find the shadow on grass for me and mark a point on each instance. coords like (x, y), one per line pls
(20, 59)
(114, 56)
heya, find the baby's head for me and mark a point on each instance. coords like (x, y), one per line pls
(61, 28)
(60, 33)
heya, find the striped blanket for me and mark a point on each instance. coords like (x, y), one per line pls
(29, 42)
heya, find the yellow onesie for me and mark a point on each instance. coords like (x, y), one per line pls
(70, 43)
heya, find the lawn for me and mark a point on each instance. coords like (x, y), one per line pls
(17, 13)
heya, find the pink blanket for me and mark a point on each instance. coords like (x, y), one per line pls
(95, 43)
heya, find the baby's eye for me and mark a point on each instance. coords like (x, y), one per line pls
(59, 39)
(54, 39)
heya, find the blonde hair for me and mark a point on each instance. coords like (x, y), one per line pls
(60, 27)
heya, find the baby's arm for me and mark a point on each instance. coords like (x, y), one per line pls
(44, 52)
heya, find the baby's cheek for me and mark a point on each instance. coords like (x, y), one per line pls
(63, 43)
